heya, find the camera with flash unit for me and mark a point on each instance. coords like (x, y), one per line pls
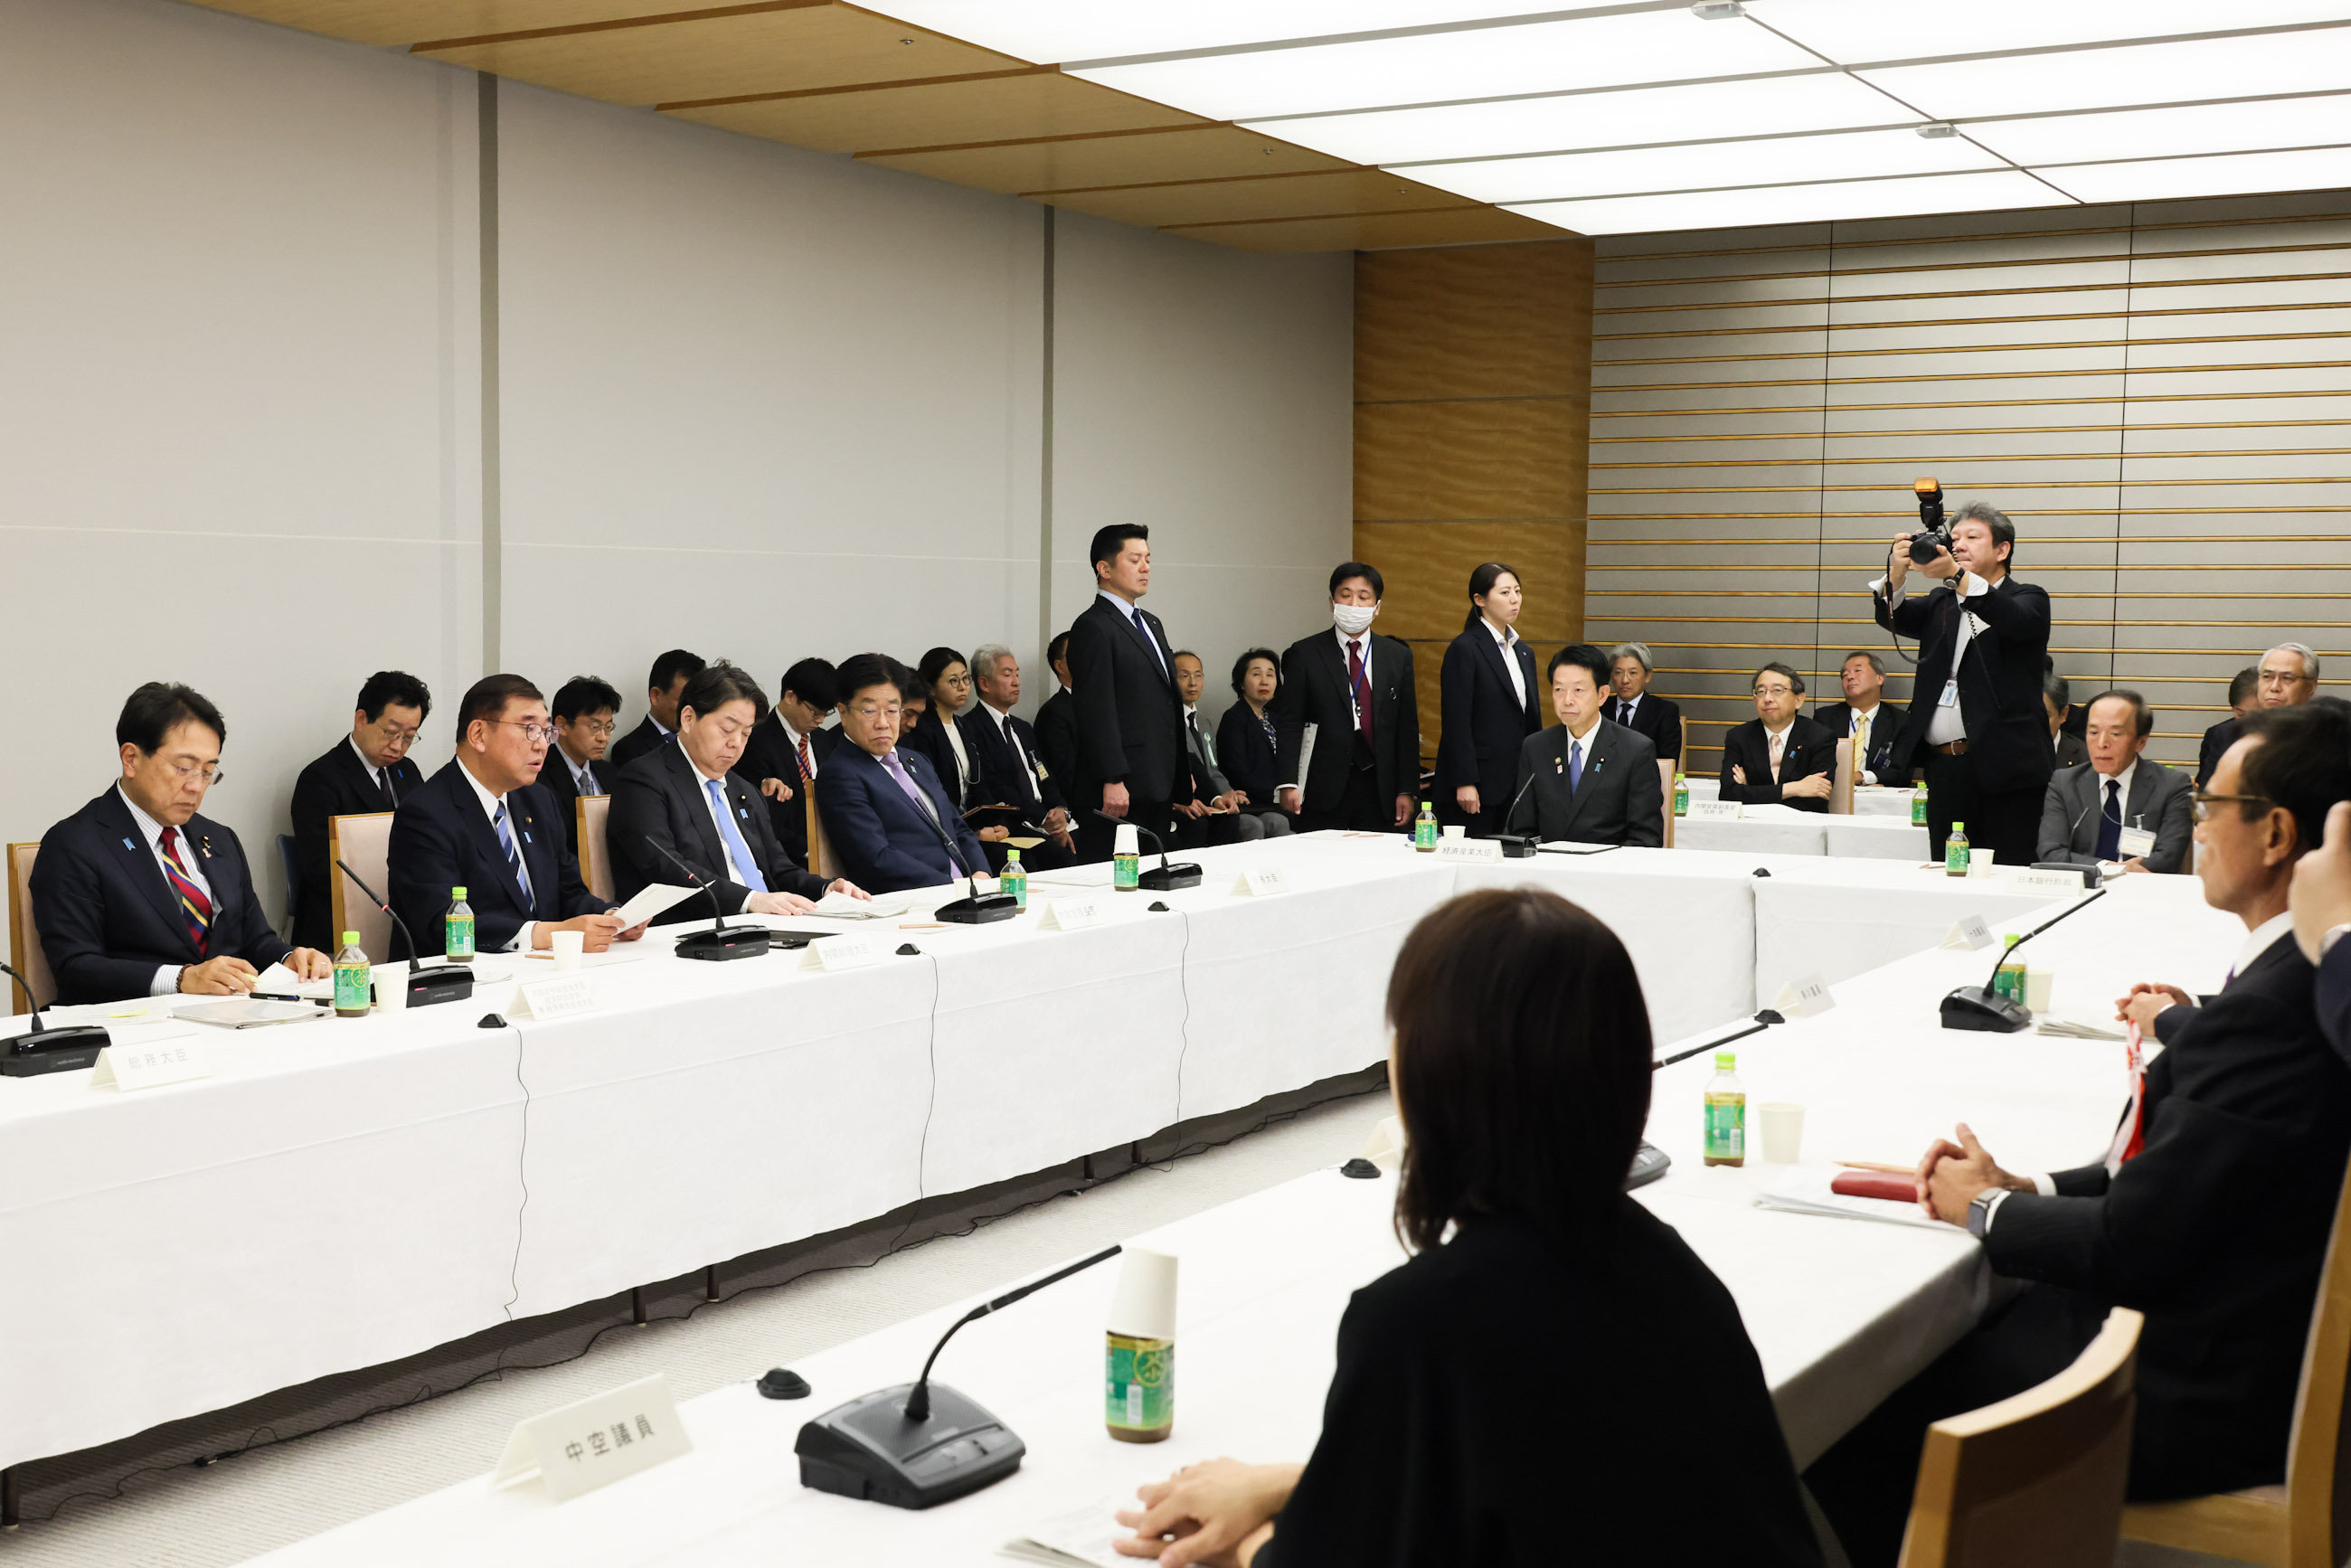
(1933, 533)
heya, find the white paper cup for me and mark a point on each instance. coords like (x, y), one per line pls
(1144, 1304)
(1124, 842)
(1782, 1127)
(1980, 861)
(2037, 984)
(568, 948)
(1456, 830)
(391, 981)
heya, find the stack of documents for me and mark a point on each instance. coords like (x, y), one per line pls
(2074, 1029)
(1805, 1190)
(1079, 1539)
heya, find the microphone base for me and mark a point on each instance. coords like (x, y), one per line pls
(61, 1049)
(1984, 1010)
(443, 983)
(868, 1450)
(1169, 878)
(1515, 847)
(985, 909)
(726, 942)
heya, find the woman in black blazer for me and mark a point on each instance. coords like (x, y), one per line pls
(1245, 735)
(946, 680)
(1484, 721)
(1505, 1397)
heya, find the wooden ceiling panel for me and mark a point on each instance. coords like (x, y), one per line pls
(726, 55)
(1142, 157)
(412, 21)
(1350, 191)
(1376, 231)
(1036, 103)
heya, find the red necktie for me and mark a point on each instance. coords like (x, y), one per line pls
(808, 765)
(1363, 690)
(194, 907)
(2130, 1136)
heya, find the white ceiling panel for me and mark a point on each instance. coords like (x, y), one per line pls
(1854, 31)
(1987, 191)
(2129, 75)
(1844, 155)
(1484, 62)
(1827, 101)
(2161, 179)
(1050, 32)
(2169, 133)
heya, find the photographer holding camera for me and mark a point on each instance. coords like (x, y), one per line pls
(1975, 729)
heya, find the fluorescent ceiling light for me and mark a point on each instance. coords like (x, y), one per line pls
(2160, 179)
(1829, 100)
(1844, 155)
(1987, 191)
(1051, 31)
(2126, 76)
(1852, 31)
(1485, 62)
(2167, 132)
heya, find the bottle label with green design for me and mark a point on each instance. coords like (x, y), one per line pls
(459, 941)
(1125, 873)
(1140, 1386)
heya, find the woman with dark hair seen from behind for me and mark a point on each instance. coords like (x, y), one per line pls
(1490, 704)
(1553, 1373)
(1245, 737)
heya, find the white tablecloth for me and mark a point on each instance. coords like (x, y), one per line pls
(1785, 830)
(1868, 799)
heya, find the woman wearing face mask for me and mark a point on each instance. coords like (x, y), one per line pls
(1355, 686)
(1492, 706)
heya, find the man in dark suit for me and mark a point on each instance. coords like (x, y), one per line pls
(884, 807)
(140, 896)
(2321, 903)
(1872, 723)
(687, 800)
(1355, 687)
(1215, 813)
(1130, 724)
(784, 751)
(1779, 758)
(584, 708)
(1005, 760)
(484, 823)
(1976, 727)
(1630, 703)
(369, 770)
(2244, 697)
(1596, 780)
(1057, 719)
(664, 686)
(2211, 1212)
(2116, 810)
(2069, 750)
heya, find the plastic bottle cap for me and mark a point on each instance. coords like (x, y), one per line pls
(458, 893)
(1726, 1059)
(351, 938)
(1958, 827)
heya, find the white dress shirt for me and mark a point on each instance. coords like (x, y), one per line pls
(961, 757)
(792, 737)
(1133, 614)
(490, 804)
(1776, 746)
(375, 774)
(1946, 726)
(1509, 638)
(2122, 796)
(583, 782)
(166, 979)
(1862, 720)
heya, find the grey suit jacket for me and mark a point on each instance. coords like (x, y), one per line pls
(1619, 801)
(2160, 802)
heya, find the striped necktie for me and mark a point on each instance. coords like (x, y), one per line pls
(514, 856)
(194, 907)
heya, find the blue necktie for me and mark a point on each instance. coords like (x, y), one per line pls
(1574, 765)
(736, 848)
(2110, 823)
(514, 856)
(1135, 614)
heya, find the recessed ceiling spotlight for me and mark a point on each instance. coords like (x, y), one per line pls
(1935, 130)
(1718, 10)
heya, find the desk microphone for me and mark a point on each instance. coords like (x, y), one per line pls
(445, 982)
(42, 1049)
(975, 908)
(722, 941)
(1163, 877)
(1981, 1007)
(913, 1445)
(1519, 846)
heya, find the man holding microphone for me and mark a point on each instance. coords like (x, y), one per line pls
(1975, 728)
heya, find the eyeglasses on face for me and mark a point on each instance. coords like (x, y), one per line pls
(2203, 803)
(182, 771)
(533, 730)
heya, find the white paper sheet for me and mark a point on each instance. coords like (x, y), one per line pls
(655, 898)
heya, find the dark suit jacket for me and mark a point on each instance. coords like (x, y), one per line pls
(2216, 1230)
(1315, 691)
(660, 797)
(2070, 751)
(441, 839)
(1999, 679)
(635, 743)
(1885, 729)
(1246, 756)
(555, 778)
(2159, 801)
(885, 842)
(1057, 738)
(930, 738)
(1130, 720)
(1000, 776)
(1658, 717)
(769, 753)
(334, 785)
(109, 918)
(1619, 802)
(2335, 998)
(1482, 722)
(1810, 749)
(2217, 741)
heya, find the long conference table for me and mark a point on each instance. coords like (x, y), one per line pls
(1841, 1311)
(345, 1193)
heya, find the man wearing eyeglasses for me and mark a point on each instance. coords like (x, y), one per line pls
(1779, 758)
(367, 771)
(585, 709)
(139, 894)
(484, 823)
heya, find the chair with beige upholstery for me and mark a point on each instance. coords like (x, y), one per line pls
(1841, 785)
(589, 831)
(365, 841)
(2036, 1480)
(25, 955)
(820, 856)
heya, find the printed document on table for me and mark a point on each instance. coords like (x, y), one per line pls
(656, 898)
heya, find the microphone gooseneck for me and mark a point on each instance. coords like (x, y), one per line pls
(717, 918)
(2036, 931)
(918, 1398)
(1156, 842)
(32, 1003)
(415, 960)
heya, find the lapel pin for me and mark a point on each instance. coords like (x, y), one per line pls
(205, 842)
(129, 845)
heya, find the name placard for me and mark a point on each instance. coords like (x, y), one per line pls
(1806, 996)
(1260, 881)
(1071, 914)
(1967, 934)
(148, 1056)
(1713, 811)
(1476, 852)
(599, 1440)
(2054, 881)
(835, 953)
(563, 996)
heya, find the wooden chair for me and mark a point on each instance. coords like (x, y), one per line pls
(820, 849)
(1841, 785)
(2307, 1523)
(591, 813)
(365, 841)
(25, 955)
(2033, 1482)
(1666, 768)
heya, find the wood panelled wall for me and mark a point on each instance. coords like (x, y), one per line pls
(2159, 395)
(1473, 374)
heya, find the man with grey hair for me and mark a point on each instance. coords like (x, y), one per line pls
(2287, 676)
(1865, 717)
(1630, 705)
(1008, 768)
